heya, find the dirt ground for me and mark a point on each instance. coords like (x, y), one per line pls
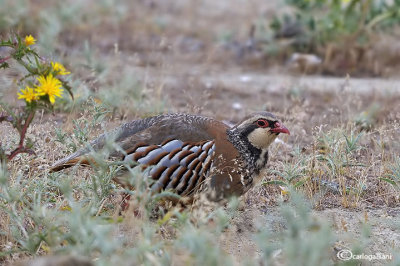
(305, 104)
(186, 72)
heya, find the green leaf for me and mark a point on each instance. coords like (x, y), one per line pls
(300, 183)
(4, 65)
(166, 194)
(390, 181)
(275, 182)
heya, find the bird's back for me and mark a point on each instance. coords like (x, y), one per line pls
(149, 131)
(180, 148)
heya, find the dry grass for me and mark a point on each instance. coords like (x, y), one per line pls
(136, 59)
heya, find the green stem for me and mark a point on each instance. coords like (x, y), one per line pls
(379, 18)
(30, 69)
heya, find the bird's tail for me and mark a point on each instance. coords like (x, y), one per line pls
(119, 134)
(71, 160)
(83, 156)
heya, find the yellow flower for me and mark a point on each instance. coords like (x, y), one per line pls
(29, 40)
(59, 68)
(284, 191)
(50, 86)
(29, 94)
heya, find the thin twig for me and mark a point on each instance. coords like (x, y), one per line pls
(2, 60)
(21, 148)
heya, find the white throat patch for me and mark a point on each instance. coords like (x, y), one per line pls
(261, 138)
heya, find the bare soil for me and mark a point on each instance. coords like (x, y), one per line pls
(186, 70)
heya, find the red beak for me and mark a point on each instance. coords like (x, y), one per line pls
(279, 128)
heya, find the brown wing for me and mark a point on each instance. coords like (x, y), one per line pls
(149, 131)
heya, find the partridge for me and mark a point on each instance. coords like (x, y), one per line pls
(188, 153)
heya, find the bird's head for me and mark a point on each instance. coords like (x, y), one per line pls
(259, 129)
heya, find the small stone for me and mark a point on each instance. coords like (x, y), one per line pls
(245, 79)
(237, 106)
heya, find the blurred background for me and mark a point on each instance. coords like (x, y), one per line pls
(197, 55)
(335, 37)
(308, 61)
(328, 69)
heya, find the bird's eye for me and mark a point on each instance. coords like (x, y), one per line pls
(262, 123)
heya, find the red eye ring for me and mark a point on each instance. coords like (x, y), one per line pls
(262, 123)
